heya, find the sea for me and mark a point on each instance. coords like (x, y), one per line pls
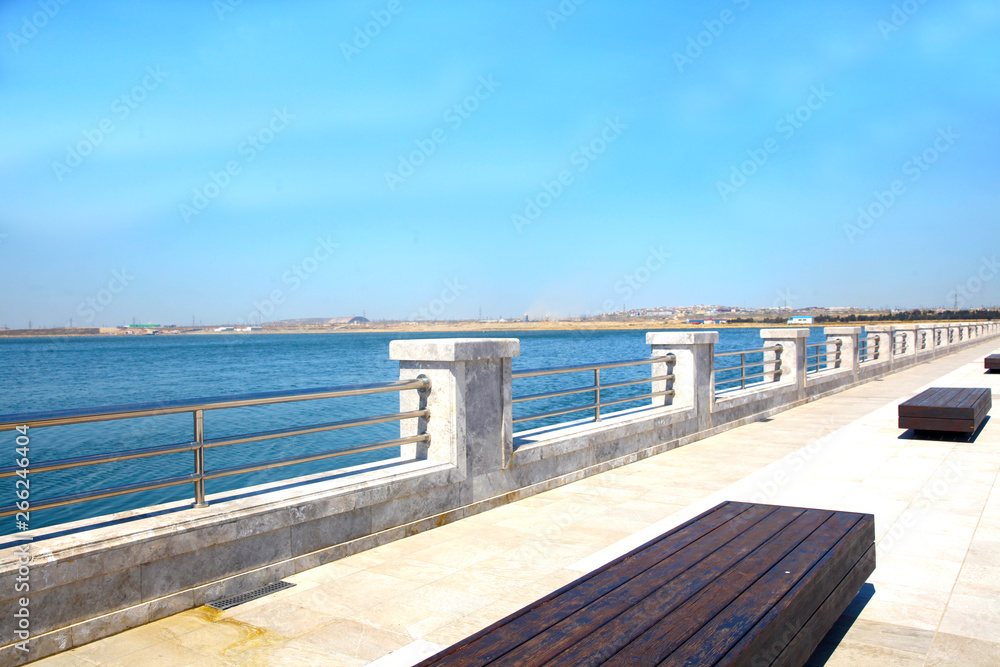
(57, 373)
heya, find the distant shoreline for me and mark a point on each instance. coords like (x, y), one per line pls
(430, 327)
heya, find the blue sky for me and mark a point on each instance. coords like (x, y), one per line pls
(235, 161)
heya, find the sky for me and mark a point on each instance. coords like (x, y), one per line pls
(235, 162)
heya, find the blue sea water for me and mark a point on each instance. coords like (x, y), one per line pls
(41, 374)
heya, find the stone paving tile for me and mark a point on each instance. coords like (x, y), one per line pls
(934, 597)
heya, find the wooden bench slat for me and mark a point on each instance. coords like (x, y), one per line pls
(955, 404)
(591, 638)
(802, 645)
(992, 362)
(706, 628)
(739, 582)
(688, 571)
(789, 615)
(500, 637)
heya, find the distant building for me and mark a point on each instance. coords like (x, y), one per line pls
(358, 320)
(223, 329)
(801, 319)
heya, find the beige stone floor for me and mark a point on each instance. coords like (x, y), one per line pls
(934, 598)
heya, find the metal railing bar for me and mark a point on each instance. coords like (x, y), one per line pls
(316, 428)
(111, 412)
(776, 362)
(103, 493)
(581, 390)
(536, 372)
(590, 406)
(127, 455)
(306, 458)
(746, 377)
(773, 348)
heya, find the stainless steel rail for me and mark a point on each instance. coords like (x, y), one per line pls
(595, 388)
(198, 407)
(742, 368)
(868, 348)
(814, 364)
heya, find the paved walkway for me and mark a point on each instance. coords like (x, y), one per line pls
(934, 598)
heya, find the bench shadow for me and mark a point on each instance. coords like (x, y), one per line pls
(943, 436)
(832, 639)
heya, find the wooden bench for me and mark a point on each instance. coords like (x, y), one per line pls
(742, 583)
(956, 409)
(992, 362)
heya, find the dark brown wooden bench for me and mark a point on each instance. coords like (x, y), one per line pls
(955, 409)
(992, 362)
(742, 583)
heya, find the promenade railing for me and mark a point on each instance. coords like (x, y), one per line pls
(868, 349)
(198, 444)
(598, 402)
(724, 377)
(820, 357)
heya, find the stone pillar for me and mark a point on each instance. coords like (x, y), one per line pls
(907, 335)
(926, 341)
(693, 370)
(848, 337)
(469, 401)
(792, 355)
(884, 333)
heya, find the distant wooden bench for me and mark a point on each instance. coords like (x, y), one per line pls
(956, 409)
(992, 362)
(741, 583)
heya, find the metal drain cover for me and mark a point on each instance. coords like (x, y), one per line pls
(230, 602)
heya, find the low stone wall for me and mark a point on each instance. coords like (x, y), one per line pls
(99, 577)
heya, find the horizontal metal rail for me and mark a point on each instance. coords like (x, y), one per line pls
(537, 372)
(595, 388)
(566, 411)
(199, 444)
(581, 390)
(772, 348)
(774, 373)
(108, 413)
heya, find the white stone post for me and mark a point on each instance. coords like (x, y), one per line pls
(848, 337)
(471, 420)
(908, 340)
(792, 356)
(693, 370)
(926, 342)
(884, 333)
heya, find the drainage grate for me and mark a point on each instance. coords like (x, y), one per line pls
(229, 603)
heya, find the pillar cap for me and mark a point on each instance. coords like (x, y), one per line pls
(842, 331)
(454, 349)
(790, 332)
(681, 337)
